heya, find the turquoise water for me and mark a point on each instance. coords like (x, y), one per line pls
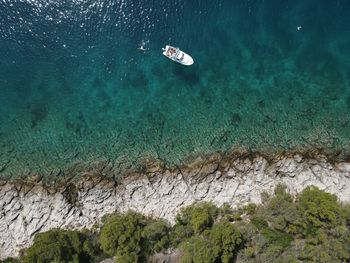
(268, 76)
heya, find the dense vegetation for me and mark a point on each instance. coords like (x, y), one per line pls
(312, 227)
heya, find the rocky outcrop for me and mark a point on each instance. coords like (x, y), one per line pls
(28, 208)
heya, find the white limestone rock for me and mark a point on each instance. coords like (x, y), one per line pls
(27, 210)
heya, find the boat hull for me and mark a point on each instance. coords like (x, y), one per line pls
(186, 59)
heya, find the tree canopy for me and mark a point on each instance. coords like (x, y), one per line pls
(132, 237)
(61, 246)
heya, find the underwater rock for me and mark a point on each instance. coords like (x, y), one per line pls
(236, 178)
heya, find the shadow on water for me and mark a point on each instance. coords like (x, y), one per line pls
(75, 122)
(160, 71)
(135, 79)
(186, 75)
(347, 101)
(324, 70)
(101, 94)
(38, 113)
(221, 36)
(98, 83)
(23, 87)
(235, 119)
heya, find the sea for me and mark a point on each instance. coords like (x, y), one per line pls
(75, 89)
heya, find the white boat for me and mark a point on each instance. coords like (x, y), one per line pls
(177, 55)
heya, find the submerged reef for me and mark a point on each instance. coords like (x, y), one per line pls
(33, 205)
(74, 94)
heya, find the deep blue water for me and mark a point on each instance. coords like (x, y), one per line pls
(268, 75)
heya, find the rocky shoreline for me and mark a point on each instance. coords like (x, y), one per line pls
(34, 205)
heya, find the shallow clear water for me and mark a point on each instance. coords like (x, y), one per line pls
(268, 75)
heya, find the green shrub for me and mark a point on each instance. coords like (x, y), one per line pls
(270, 253)
(121, 236)
(179, 233)
(280, 211)
(249, 252)
(198, 249)
(250, 209)
(156, 236)
(226, 209)
(317, 209)
(324, 248)
(132, 237)
(9, 260)
(226, 240)
(259, 222)
(286, 259)
(198, 217)
(60, 246)
(277, 238)
(192, 220)
(219, 244)
(227, 213)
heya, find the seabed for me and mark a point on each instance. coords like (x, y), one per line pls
(87, 96)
